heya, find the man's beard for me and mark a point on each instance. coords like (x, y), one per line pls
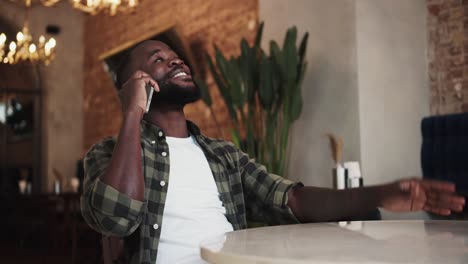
(172, 93)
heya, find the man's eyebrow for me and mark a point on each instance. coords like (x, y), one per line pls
(153, 52)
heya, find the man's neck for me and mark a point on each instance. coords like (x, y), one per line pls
(170, 119)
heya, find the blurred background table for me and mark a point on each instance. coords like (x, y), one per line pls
(46, 228)
(356, 242)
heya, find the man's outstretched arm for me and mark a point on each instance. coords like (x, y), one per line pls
(313, 204)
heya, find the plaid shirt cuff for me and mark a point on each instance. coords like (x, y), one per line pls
(280, 201)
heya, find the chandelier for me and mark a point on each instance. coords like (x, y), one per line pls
(94, 7)
(24, 49)
(110, 6)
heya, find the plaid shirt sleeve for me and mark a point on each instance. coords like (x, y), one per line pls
(266, 194)
(103, 207)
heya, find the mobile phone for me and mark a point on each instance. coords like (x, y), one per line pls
(149, 95)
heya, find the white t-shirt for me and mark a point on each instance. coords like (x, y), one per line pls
(193, 211)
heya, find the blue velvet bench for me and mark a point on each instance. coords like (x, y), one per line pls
(444, 152)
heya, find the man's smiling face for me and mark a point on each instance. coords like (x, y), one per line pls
(168, 70)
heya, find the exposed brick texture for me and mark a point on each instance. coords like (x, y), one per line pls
(203, 22)
(448, 55)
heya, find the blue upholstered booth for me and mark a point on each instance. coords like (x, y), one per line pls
(444, 152)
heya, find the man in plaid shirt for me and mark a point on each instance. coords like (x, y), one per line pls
(215, 187)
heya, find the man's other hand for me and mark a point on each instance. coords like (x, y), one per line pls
(410, 195)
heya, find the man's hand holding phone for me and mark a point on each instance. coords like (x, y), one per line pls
(135, 94)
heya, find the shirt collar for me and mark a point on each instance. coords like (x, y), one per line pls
(149, 130)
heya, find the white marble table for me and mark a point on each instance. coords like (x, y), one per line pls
(414, 241)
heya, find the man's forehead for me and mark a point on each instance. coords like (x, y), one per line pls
(149, 46)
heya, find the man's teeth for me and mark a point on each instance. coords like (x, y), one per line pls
(180, 74)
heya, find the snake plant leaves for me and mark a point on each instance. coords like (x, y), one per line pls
(246, 67)
(258, 37)
(222, 87)
(235, 138)
(302, 53)
(303, 69)
(216, 76)
(205, 94)
(221, 62)
(296, 105)
(269, 87)
(265, 91)
(277, 56)
(290, 55)
(275, 88)
(236, 86)
(245, 49)
(278, 67)
(228, 76)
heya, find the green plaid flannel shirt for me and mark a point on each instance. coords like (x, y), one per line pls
(246, 190)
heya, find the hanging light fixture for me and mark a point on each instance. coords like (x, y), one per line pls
(24, 49)
(94, 7)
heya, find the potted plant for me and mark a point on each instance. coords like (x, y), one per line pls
(262, 93)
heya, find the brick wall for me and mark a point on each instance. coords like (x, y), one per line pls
(203, 22)
(448, 55)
